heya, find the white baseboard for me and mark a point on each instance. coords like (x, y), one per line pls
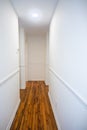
(13, 115)
(55, 115)
(22, 88)
(46, 83)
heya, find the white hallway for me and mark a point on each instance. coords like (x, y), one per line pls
(48, 43)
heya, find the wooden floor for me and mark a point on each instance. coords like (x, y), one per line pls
(35, 112)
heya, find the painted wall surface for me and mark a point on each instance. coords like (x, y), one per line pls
(22, 57)
(9, 71)
(26, 59)
(47, 60)
(37, 56)
(68, 64)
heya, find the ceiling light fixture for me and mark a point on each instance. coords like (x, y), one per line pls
(35, 15)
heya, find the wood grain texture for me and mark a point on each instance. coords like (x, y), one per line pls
(35, 112)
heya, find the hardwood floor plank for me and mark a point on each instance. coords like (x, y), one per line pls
(35, 112)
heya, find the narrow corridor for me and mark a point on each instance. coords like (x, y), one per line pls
(43, 43)
(35, 112)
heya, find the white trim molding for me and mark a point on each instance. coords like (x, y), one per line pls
(84, 102)
(9, 76)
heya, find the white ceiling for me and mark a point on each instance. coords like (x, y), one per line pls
(35, 15)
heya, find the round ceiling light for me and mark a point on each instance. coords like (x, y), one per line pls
(35, 15)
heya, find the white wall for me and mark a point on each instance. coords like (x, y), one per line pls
(22, 57)
(9, 70)
(68, 64)
(37, 56)
(47, 60)
(26, 59)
